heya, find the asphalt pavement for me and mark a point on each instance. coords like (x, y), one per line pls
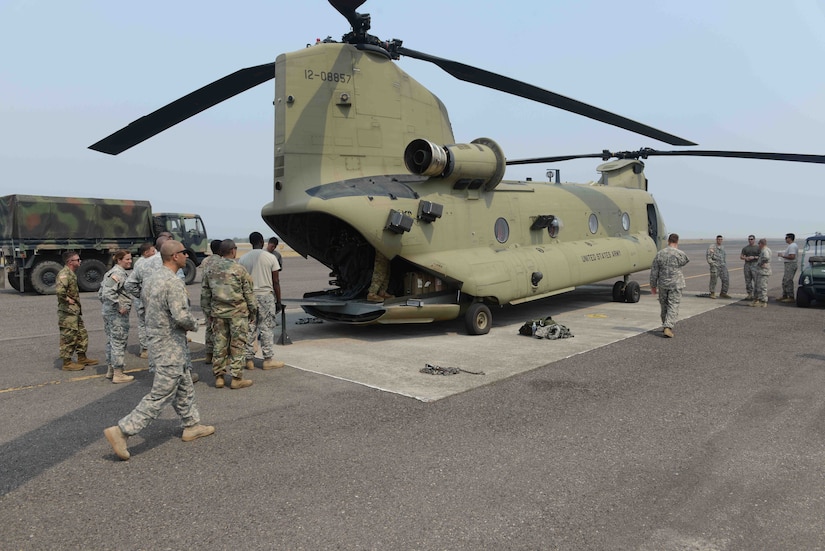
(711, 440)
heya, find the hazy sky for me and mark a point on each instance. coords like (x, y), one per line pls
(737, 75)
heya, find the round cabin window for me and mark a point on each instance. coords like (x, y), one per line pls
(502, 229)
(553, 228)
(625, 221)
(593, 223)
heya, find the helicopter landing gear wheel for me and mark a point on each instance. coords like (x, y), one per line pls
(478, 319)
(618, 291)
(632, 292)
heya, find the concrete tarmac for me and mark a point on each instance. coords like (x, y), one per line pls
(711, 440)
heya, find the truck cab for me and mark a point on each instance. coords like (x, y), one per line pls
(812, 275)
(189, 230)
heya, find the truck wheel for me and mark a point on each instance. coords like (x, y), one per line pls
(14, 281)
(90, 275)
(803, 299)
(190, 271)
(478, 319)
(44, 277)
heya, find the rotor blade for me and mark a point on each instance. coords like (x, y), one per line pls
(646, 152)
(793, 157)
(537, 160)
(495, 81)
(185, 107)
(347, 9)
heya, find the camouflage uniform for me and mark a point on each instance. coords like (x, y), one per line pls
(73, 335)
(227, 299)
(789, 270)
(718, 268)
(763, 270)
(264, 321)
(750, 268)
(666, 276)
(380, 274)
(208, 263)
(115, 324)
(142, 269)
(167, 320)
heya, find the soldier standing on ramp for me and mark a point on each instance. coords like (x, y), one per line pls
(666, 277)
(116, 307)
(73, 335)
(788, 257)
(750, 254)
(263, 267)
(167, 320)
(763, 272)
(227, 299)
(718, 268)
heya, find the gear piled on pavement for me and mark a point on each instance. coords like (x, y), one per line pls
(431, 369)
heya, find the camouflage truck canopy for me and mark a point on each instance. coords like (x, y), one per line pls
(42, 218)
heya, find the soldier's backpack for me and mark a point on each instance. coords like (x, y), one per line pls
(545, 328)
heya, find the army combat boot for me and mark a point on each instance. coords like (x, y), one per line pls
(668, 332)
(69, 365)
(220, 381)
(117, 440)
(270, 363)
(250, 363)
(110, 372)
(83, 360)
(238, 382)
(118, 376)
(196, 431)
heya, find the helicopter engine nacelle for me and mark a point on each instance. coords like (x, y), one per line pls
(479, 164)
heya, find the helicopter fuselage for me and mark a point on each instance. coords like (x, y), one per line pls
(359, 168)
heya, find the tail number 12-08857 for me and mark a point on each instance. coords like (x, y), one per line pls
(327, 76)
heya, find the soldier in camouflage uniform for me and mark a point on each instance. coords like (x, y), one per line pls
(145, 252)
(116, 307)
(143, 270)
(763, 271)
(264, 269)
(718, 268)
(750, 254)
(227, 299)
(167, 320)
(208, 263)
(789, 266)
(667, 279)
(73, 335)
(380, 279)
(272, 246)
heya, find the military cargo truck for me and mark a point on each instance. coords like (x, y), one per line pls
(812, 277)
(36, 230)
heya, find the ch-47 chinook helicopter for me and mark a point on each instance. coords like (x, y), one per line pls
(365, 160)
